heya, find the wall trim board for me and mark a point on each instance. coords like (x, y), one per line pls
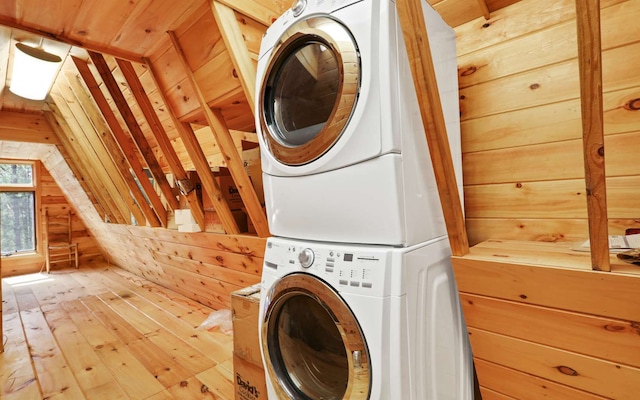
(604, 338)
(603, 294)
(590, 374)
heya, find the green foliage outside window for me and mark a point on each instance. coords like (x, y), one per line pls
(17, 208)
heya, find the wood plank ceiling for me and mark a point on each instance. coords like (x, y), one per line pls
(155, 88)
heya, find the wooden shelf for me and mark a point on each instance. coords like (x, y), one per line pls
(549, 254)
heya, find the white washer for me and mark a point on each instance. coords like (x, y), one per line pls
(344, 153)
(362, 322)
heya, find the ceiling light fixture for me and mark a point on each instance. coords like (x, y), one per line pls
(33, 72)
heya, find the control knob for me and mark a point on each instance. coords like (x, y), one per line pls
(306, 258)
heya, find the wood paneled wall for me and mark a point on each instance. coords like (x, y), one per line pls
(52, 198)
(540, 332)
(205, 267)
(521, 126)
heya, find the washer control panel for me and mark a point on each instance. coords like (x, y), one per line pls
(360, 269)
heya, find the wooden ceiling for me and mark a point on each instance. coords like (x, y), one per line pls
(134, 30)
(167, 85)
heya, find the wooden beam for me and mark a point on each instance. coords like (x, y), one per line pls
(134, 128)
(590, 65)
(64, 39)
(65, 135)
(210, 185)
(23, 127)
(85, 137)
(120, 137)
(82, 113)
(112, 148)
(264, 12)
(83, 179)
(161, 137)
(424, 77)
(237, 48)
(199, 160)
(228, 149)
(485, 8)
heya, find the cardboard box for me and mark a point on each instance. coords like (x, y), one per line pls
(249, 380)
(249, 377)
(245, 304)
(230, 192)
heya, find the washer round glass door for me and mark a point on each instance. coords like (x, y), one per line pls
(310, 90)
(313, 345)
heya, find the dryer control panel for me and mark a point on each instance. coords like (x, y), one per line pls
(353, 269)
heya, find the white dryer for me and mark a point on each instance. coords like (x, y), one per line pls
(344, 154)
(362, 322)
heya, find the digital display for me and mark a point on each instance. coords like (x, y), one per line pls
(348, 257)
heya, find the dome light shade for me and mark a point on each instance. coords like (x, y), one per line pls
(33, 72)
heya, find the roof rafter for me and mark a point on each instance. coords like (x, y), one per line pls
(134, 128)
(121, 138)
(237, 48)
(89, 138)
(223, 137)
(68, 141)
(161, 137)
(262, 11)
(74, 164)
(199, 160)
(113, 149)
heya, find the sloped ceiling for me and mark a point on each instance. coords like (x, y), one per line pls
(139, 88)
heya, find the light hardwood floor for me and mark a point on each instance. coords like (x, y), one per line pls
(102, 333)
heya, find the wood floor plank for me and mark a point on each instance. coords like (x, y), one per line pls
(128, 371)
(154, 358)
(92, 375)
(201, 339)
(182, 306)
(188, 357)
(25, 298)
(17, 376)
(9, 303)
(192, 388)
(53, 372)
(104, 333)
(217, 383)
(164, 395)
(226, 368)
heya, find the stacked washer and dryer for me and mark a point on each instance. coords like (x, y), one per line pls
(358, 295)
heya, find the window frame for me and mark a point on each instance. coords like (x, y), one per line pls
(35, 188)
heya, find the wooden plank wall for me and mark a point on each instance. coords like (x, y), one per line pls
(538, 331)
(551, 333)
(520, 112)
(205, 267)
(55, 201)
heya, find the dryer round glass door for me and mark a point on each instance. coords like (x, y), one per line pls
(313, 345)
(310, 90)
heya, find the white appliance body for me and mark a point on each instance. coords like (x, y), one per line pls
(373, 183)
(406, 338)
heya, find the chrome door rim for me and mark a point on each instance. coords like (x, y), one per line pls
(319, 29)
(359, 382)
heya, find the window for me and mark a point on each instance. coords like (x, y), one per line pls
(17, 207)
